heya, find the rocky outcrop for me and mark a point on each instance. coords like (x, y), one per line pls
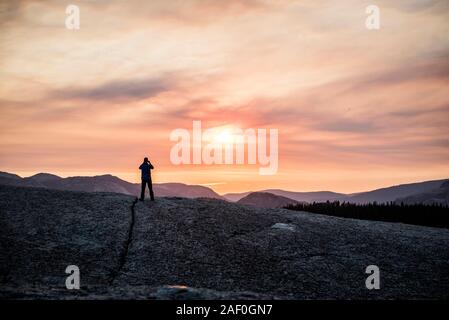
(44, 231)
(197, 248)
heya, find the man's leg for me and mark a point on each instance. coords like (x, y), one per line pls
(142, 192)
(150, 186)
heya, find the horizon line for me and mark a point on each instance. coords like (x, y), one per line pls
(222, 194)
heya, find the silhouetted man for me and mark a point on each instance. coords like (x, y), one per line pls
(146, 167)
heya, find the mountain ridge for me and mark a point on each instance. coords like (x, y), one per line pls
(111, 183)
(385, 194)
(266, 200)
(105, 183)
(438, 196)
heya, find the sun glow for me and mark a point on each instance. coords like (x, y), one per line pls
(224, 137)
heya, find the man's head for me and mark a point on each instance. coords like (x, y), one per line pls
(145, 160)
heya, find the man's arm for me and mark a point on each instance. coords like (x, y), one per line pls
(151, 166)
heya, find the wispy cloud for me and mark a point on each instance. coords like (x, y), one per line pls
(122, 90)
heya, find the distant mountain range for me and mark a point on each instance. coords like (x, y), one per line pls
(316, 196)
(388, 194)
(426, 192)
(106, 183)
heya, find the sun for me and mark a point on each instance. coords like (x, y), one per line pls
(224, 137)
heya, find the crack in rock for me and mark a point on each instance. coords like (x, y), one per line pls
(126, 244)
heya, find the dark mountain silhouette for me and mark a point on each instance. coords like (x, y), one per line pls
(184, 190)
(9, 175)
(236, 196)
(394, 192)
(266, 200)
(105, 183)
(316, 196)
(437, 196)
(379, 195)
(221, 250)
(298, 196)
(43, 178)
(109, 183)
(10, 179)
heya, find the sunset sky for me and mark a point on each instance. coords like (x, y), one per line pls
(356, 109)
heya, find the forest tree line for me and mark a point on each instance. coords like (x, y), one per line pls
(435, 215)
